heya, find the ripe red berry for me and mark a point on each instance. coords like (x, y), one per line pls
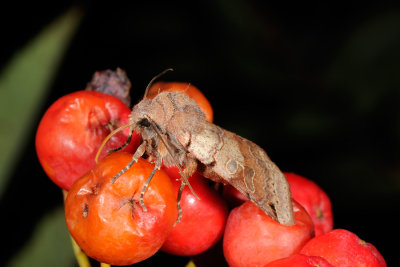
(314, 200)
(344, 248)
(300, 260)
(203, 219)
(252, 238)
(72, 130)
(106, 219)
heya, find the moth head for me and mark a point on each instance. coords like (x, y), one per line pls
(139, 117)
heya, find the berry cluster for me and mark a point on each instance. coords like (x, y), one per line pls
(110, 224)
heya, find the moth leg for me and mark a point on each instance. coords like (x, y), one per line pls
(185, 174)
(157, 166)
(138, 153)
(181, 187)
(128, 140)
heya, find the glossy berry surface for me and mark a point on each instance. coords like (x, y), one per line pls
(300, 260)
(314, 200)
(72, 130)
(203, 219)
(106, 219)
(343, 248)
(252, 238)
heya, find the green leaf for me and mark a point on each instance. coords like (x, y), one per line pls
(23, 85)
(49, 246)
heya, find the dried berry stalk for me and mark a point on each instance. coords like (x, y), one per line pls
(115, 83)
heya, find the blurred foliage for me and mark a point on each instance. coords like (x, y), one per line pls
(23, 85)
(50, 244)
(315, 84)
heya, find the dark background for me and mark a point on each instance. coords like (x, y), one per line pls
(317, 85)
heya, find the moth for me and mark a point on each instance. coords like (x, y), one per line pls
(174, 131)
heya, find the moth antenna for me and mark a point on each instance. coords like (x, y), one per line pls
(155, 78)
(157, 166)
(183, 175)
(96, 158)
(138, 153)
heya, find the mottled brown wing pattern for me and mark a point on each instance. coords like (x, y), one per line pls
(248, 168)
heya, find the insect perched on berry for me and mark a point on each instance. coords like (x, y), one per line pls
(175, 132)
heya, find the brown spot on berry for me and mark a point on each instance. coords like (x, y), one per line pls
(319, 213)
(85, 211)
(362, 242)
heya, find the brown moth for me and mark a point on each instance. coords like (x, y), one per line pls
(174, 131)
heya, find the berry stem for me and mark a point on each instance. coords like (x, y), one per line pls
(80, 256)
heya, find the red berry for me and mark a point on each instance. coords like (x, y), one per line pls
(252, 238)
(72, 130)
(343, 248)
(300, 260)
(203, 220)
(107, 220)
(314, 200)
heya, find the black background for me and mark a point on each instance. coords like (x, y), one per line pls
(263, 65)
